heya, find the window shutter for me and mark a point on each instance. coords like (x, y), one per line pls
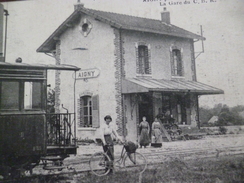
(172, 63)
(179, 64)
(146, 65)
(78, 112)
(95, 111)
(81, 114)
(182, 63)
(137, 59)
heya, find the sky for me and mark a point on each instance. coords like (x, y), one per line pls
(221, 65)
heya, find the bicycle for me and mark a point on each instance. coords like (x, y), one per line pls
(101, 164)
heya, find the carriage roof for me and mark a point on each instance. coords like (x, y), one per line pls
(7, 65)
(23, 71)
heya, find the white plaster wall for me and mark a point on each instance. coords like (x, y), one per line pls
(131, 115)
(160, 54)
(67, 91)
(99, 54)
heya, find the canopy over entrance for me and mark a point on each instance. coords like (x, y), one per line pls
(143, 85)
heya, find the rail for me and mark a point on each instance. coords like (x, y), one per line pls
(60, 129)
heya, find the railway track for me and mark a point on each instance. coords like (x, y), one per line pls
(80, 164)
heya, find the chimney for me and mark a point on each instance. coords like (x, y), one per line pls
(78, 5)
(165, 16)
(18, 60)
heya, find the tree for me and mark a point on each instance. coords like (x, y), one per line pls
(50, 101)
(205, 113)
(227, 115)
(217, 109)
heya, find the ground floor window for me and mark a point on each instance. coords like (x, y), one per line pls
(88, 111)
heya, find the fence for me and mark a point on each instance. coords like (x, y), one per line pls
(60, 129)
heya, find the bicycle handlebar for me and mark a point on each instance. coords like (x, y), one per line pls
(123, 143)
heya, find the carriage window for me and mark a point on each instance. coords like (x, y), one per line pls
(9, 95)
(32, 95)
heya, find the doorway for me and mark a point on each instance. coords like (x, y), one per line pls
(146, 108)
(179, 109)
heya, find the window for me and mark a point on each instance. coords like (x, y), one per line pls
(32, 95)
(85, 27)
(176, 61)
(88, 111)
(143, 59)
(20, 95)
(9, 95)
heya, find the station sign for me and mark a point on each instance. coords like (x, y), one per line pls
(87, 73)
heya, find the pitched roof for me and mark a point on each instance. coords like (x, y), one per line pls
(119, 21)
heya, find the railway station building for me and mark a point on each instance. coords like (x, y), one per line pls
(130, 67)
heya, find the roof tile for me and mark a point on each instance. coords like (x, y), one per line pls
(120, 21)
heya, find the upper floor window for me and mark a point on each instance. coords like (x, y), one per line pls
(85, 27)
(88, 114)
(143, 59)
(176, 62)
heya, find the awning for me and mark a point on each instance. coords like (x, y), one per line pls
(143, 85)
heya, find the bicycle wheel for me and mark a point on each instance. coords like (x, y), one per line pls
(136, 160)
(99, 164)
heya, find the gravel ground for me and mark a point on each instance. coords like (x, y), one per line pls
(215, 142)
(189, 149)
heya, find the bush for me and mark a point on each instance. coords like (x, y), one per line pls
(222, 130)
(231, 132)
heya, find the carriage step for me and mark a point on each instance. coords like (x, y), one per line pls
(52, 158)
(53, 167)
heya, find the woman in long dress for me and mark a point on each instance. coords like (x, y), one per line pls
(106, 135)
(144, 132)
(157, 131)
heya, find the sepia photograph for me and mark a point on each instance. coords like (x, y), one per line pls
(114, 91)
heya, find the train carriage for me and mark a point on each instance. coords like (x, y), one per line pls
(28, 133)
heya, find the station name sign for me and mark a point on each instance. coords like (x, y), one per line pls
(88, 73)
